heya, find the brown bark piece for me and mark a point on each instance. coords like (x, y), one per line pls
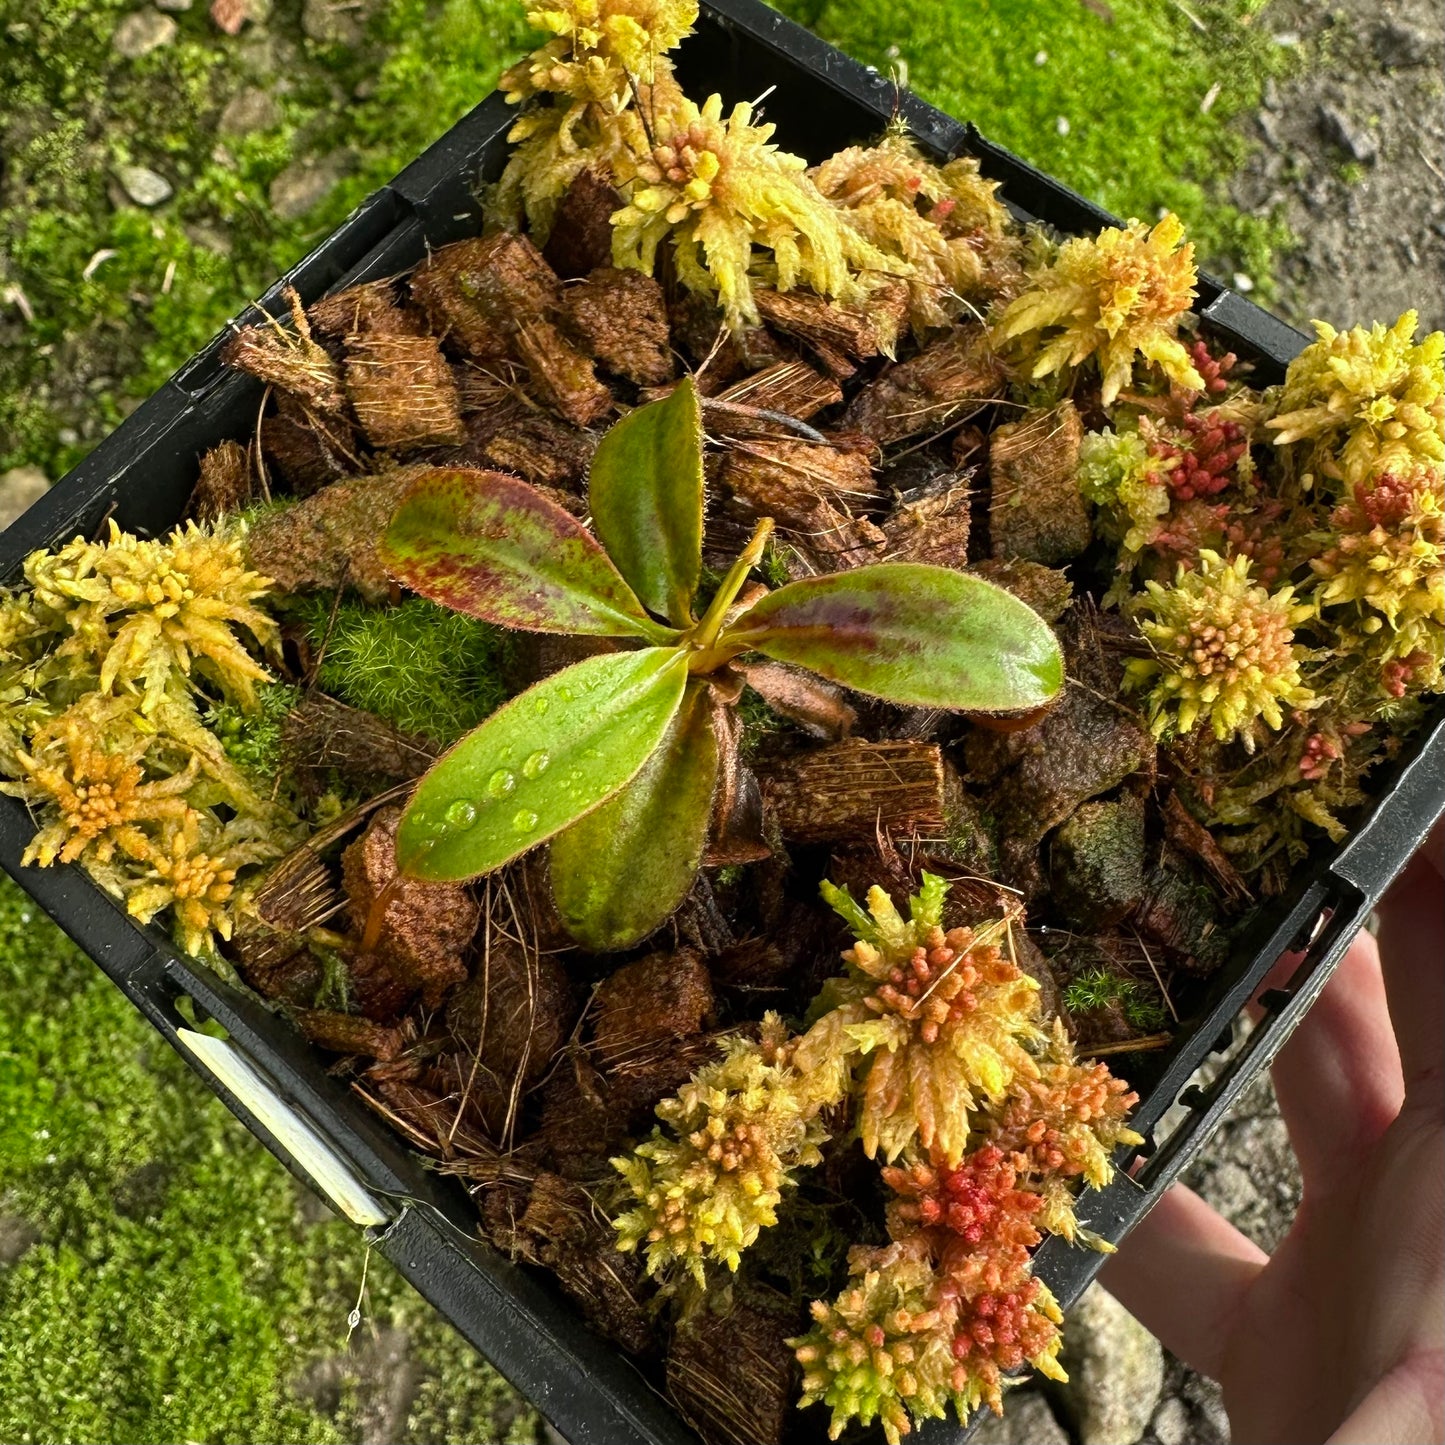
(827, 533)
(429, 1117)
(770, 466)
(290, 361)
(581, 1125)
(557, 1225)
(1083, 748)
(510, 432)
(932, 524)
(619, 318)
(559, 375)
(664, 996)
(348, 1033)
(425, 927)
(928, 393)
(325, 735)
(858, 330)
(224, 484)
(370, 306)
(791, 387)
(494, 297)
(732, 1378)
(402, 391)
(697, 327)
(328, 541)
(581, 236)
(515, 1012)
(1047, 590)
(1036, 511)
(542, 451)
(1195, 841)
(308, 452)
(478, 292)
(854, 789)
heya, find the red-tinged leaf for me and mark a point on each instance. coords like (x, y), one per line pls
(620, 872)
(913, 634)
(645, 491)
(540, 762)
(489, 545)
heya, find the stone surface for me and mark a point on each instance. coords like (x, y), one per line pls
(304, 184)
(19, 487)
(144, 186)
(330, 23)
(17, 1238)
(1170, 1425)
(1026, 1420)
(1397, 43)
(1116, 1371)
(251, 109)
(143, 31)
(176, 7)
(1354, 139)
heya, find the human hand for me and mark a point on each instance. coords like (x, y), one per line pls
(1338, 1337)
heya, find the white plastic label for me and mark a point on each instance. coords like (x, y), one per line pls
(327, 1170)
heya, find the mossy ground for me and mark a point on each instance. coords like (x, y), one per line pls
(177, 1290)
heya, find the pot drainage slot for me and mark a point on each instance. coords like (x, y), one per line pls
(331, 1175)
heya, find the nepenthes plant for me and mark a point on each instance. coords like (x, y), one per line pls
(615, 759)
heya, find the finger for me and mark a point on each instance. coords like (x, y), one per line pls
(1338, 1078)
(1412, 947)
(1183, 1273)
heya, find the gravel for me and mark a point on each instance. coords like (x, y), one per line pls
(143, 31)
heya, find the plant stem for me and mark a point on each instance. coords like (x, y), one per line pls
(706, 632)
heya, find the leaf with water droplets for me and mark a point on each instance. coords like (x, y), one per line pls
(491, 546)
(913, 634)
(525, 773)
(620, 872)
(645, 491)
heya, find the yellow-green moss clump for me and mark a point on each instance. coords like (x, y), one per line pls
(1224, 651)
(931, 1024)
(1363, 402)
(736, 210)
(1117, 298)
(104, 658)
(713, 1178)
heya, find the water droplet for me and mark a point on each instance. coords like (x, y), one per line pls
(536, 765)
(540, 705)
(501, 783)
(524, 820)
(460, 814)
(567, 694)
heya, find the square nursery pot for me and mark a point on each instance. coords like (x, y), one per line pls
(271, 1078)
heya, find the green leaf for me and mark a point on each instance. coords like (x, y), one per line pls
(493, 547)
(540, 762)
(621, 871)
(645, 491)
(917, 635)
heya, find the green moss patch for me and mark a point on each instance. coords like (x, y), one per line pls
(419, 666)
(1114, 106)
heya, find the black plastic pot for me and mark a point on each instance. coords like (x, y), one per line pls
(142, 476)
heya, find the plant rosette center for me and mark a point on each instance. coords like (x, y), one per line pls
(614, 761)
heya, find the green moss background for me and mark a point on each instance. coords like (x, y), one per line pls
(161, 1277)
